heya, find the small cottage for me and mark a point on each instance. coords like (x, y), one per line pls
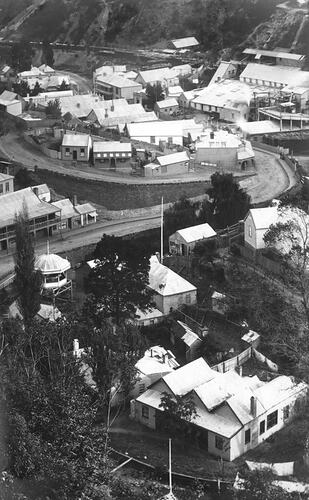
(75, 147)
(170, 290)
(109, 152)
(173, 164)
(166, 107)
(184, 240)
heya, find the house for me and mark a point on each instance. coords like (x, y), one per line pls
(119, 116)
(106, 70)
(187, 97)
(43, 217)
(225, 70)
(117, 87)
(149, 317)
(110, 152)
(256, 224)
(10, 103)
(46, 70)
(172, 164)
(184, 43)
(227, 100)
(173, 132)
(166, 76)
(166, 107)
(6, 72)
(170, 290)
(274, 76)
(224, 150)
(75, 147)
(233, 413)
(87, 214)
(184, 240)
(6, 183)
(277, 57)
(69, 218)
(34, 72)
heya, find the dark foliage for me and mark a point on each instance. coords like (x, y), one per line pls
(27, 281)
(53, 109)
(154, 93)
(119, 280)
(21, 56)
(47, 54)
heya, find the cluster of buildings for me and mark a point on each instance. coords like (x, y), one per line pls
(46, 217)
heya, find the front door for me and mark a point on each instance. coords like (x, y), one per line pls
(74, 154)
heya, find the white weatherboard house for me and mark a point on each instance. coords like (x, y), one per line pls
(170, 289)
(76, 147)
(184, 240)
(171, 131)
(257, 222)
(234, 413)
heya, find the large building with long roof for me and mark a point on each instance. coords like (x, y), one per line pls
(43, 217)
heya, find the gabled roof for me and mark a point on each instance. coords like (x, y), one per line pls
(111, 147)
(196, 233)
(117, 81)
(66, 207)
(174, 90)
(76, 140)
(263, 217)
(157, 75)
(225, 94)
(8, 97)
(190, 337)
(5, 177)
(41, 189)
(46, 69)
(167, 103)
(168, 128)
(173, 158)
(275, 53)
(187, 377)
(279, 74)
(182, 43)
(85, 208)
(12, 203)
(166, 282)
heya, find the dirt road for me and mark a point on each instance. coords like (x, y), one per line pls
(85, 236)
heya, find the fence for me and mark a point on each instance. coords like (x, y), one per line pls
(240, 359)
(51, 153)
(257, 258)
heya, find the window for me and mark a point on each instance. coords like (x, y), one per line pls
(247, 436)
(1, 188)
(7, 187)
(286, 412)
(142, 389)
(67, 151)
(82, 151)
(272, 419)
(219, 442)
(188, 298)
(262, 427)
(145, 412)
(250, 231)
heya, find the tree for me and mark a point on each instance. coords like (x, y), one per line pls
(227, 203)
(22, 88)
(178, 412)
(47, 54)
(290, 235)
(120, 278)
(36, 89)
(154, 93)
(183, 213)
(258, 485)
(27, 281)
(53, 109)
(21, 56)
(64, 85)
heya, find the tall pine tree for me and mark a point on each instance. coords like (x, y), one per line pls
(28, 281)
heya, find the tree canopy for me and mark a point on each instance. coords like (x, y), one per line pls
(154, 93)
(47, 54)
(120, 277)
(27, 281)
(21, 56)
(53, 109)
(183, 213)
(227, 202)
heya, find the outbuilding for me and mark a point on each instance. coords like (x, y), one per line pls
(184, 240)
(173, 164)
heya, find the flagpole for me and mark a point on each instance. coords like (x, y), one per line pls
(162, 230)
(170, 464)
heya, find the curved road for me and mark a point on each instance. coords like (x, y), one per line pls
(85, 236)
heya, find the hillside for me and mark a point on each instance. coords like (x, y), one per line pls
(218, 24)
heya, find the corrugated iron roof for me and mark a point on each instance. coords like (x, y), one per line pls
(166, 282)
(173, 158)
(182, 43)
(196, 233)
(76, 140)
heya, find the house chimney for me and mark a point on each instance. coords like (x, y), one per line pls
(74, 200)
(151, 353)
(253, 406)
(212, 135)
(35, 190)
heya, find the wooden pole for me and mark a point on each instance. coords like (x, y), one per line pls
(170, 464)
(161, 230)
